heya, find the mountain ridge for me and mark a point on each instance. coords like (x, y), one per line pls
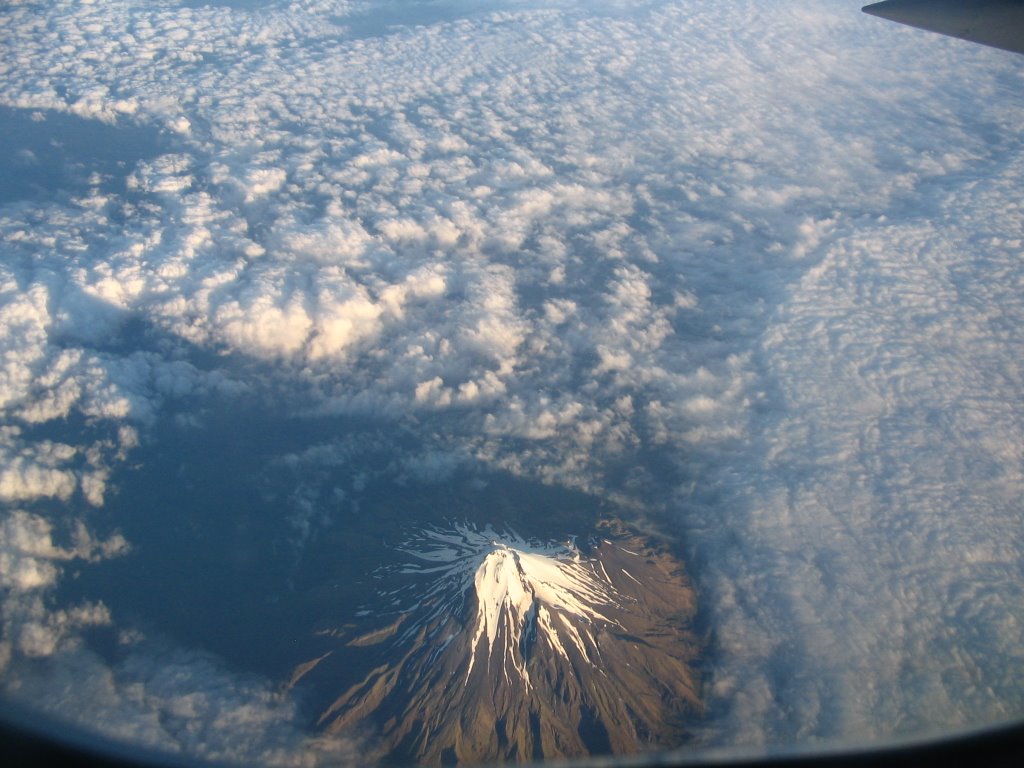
(510, 650)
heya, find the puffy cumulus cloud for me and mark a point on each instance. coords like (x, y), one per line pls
(882, 526)
(24, 537)
(114, 395)
(631, 249)
(179, 703)
(35, 469)
(335, 240)
(28, 550)
(35, 630)
(264, 322)
(24, 322)
(165, 699)
(73, 351)
(30, 561)
(38, 470)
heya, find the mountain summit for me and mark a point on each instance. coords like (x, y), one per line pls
(501, 648)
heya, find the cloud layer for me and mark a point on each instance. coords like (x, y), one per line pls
(750, 267)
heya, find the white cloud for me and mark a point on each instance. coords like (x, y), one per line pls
(179, 703)
(693, 246)
(29, 553)
(886, 495)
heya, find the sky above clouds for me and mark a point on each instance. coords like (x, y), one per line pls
(749, 270)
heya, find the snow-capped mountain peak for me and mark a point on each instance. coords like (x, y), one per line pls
(492, 646)
(525, 595)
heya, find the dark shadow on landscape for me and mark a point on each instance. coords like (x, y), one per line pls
(48, 155)
(227, 558)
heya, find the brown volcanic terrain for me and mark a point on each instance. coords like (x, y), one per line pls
(504, 649)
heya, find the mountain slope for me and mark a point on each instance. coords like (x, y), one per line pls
(506, 649)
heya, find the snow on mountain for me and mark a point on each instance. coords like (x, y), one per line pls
(498, 647)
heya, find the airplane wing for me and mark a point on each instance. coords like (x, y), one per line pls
(999, 23)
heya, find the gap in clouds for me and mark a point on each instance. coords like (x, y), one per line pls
(252, 532)
(53, 155)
